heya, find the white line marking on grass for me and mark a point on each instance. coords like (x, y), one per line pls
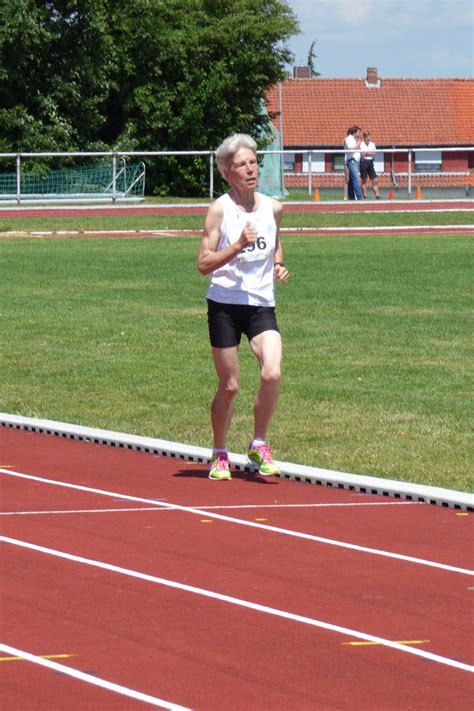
(385, 228)
(243, 522)
(89, 679)
(211, 508)
(242, 603)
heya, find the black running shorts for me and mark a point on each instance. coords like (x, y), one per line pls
(227, 322)
(367, 169)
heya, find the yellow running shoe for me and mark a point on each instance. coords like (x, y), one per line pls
(219, 468)
(261, 456)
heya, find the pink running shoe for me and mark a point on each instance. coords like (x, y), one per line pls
(261, 456)
(219, 468)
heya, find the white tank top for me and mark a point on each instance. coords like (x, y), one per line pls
(248, 278)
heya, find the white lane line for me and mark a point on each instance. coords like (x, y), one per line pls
(242, 603)
(211, 508)
(312, 506)
(89, 679)
(82, 511)
(185, 454)
(243, 522)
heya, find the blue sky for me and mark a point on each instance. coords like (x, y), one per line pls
(402, 38)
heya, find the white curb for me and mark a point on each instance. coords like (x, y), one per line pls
(313, 475)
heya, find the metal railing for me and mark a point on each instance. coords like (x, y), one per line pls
(411, 177)
(310, 178)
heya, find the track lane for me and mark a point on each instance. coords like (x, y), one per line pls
(214, 654)
(201, 209)
(320, 581)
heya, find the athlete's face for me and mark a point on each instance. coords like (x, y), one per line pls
(242, 172)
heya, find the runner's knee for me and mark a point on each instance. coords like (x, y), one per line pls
(271, 374)
(229, 387)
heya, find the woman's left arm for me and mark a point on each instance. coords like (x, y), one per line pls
(279, 269)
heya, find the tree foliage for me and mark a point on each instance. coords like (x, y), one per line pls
(312, 60)
(55, 74)
(138, 75)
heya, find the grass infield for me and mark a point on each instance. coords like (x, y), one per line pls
(112, 333)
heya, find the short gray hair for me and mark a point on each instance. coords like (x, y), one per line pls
(229, 148)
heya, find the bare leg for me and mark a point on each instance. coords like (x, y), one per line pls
(227, 369)
(267, 349)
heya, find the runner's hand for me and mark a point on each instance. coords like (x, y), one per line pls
(248, 236)
(281, 273)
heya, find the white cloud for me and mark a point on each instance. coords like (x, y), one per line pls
(351, 12)
(400, 13)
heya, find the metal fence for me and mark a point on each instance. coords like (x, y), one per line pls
(400, 170)
(442, 168)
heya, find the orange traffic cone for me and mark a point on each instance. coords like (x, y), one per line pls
(391, 195)
(316, 195)
(419, 195)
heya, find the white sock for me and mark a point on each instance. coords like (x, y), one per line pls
(256, 443)
(216, 452)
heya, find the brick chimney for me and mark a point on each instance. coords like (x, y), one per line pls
(372, 81)
(302, 72)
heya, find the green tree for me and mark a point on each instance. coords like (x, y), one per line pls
(139, 75)
(56, 67)
(311, 60)
(196, 71)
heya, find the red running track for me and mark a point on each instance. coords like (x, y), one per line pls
(366, 206)
(243, 541)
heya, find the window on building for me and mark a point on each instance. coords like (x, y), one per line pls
(379, 163)
(317, 162)
(289, 162)
(338, 162)
(428, 160)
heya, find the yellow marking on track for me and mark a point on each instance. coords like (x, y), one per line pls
(462, 514)
(7, 466)
(375, 644)
(206, 520)
(41, 656)
(261, 519)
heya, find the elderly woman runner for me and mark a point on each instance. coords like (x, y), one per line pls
(242, 253)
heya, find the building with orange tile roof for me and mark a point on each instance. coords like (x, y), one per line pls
(314, 114)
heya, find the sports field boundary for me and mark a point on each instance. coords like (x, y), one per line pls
(314, 231)
(446, 498)
(200, 208)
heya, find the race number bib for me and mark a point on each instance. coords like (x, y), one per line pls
(256, 252)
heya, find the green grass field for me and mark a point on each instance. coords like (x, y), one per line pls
(112, 333)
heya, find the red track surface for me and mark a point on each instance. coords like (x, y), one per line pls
(206, 653)
(371, 205)
(322, 207)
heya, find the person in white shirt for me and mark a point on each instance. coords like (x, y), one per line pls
(241, 251)
(346, 177)
(352, 159)
(367, 168)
